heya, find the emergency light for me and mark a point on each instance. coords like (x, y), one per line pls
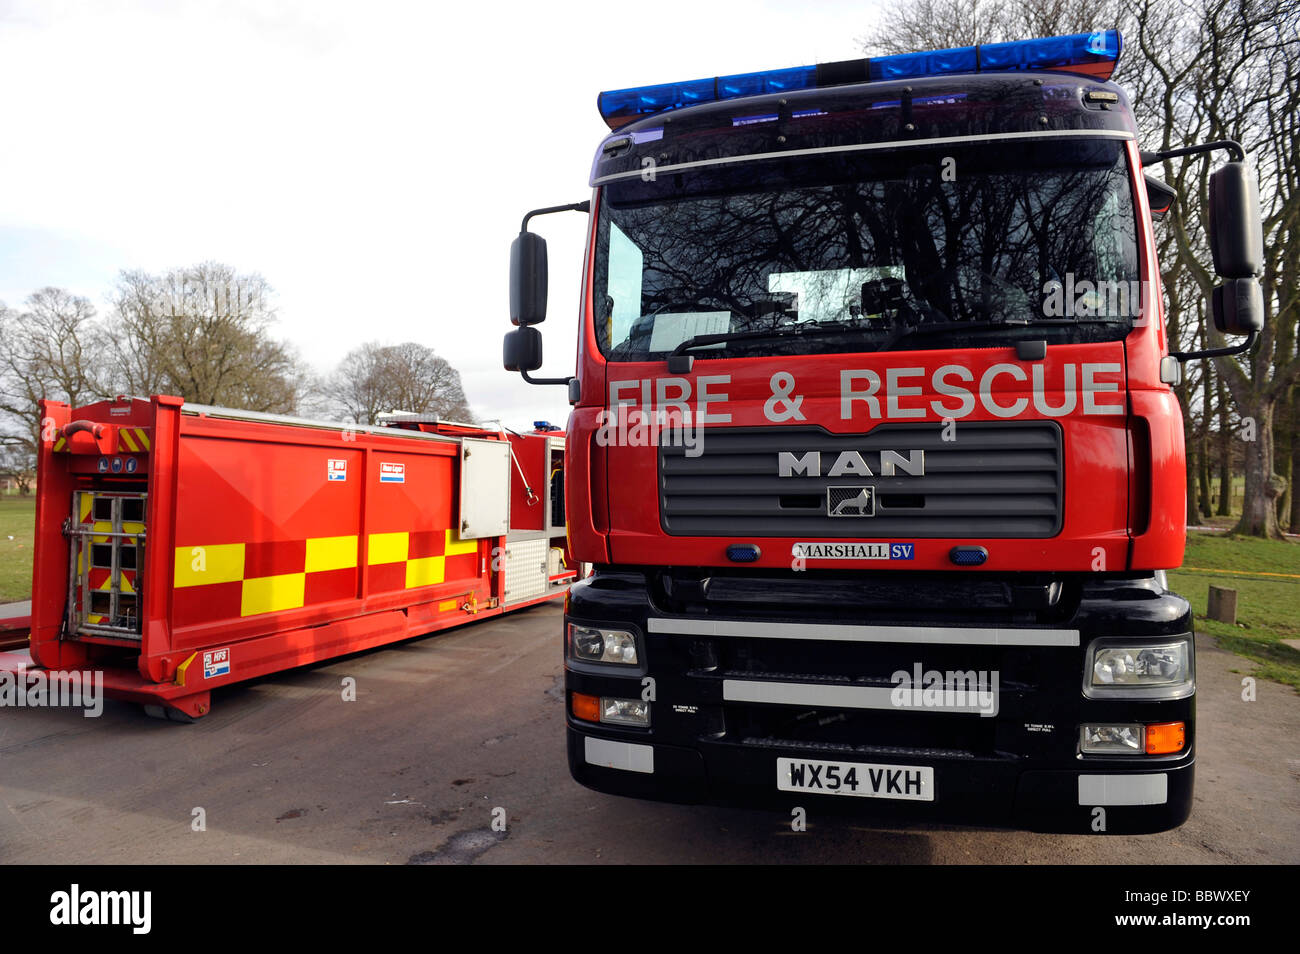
(1094, 54)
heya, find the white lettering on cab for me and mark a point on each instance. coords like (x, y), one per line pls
(900, 393)
(1091, 386)
(863, 386)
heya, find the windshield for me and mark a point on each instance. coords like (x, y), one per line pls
(925, 247)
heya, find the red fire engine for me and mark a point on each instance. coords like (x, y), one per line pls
(180, 547)
(874, 445)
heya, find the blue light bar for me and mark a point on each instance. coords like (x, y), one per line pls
(963, 59)
(647, 100)
(771, 81)
(1094, 54)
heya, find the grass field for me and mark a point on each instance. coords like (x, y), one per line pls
(17, 524)
(1266, 576)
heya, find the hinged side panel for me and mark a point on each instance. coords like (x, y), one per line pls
(484, 488)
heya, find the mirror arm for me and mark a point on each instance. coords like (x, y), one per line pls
(1216, 352)
(584, 206)
(1237, 155)
(531, 380)
(1234, 147)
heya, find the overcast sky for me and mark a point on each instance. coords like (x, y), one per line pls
(371, 159)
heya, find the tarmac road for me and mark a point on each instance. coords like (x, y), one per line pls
(448, 728)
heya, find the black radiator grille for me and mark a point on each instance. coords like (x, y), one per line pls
(992, 479)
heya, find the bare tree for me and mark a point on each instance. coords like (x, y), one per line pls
(1225, 71)
(375, 378)
(202, 333)
(425, 383)
(51, 349)
(907, 27)
(936, 25)
(357, 387)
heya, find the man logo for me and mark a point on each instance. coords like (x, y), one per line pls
(851, 501)
(851, 464)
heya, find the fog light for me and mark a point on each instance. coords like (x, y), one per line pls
(624, 711)
(592, 644)
(1111, 739)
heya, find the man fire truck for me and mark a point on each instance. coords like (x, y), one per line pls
(874, 445)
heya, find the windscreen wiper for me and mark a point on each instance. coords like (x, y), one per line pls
(679, 362)
(988, 325)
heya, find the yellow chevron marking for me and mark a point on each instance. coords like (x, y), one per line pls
(125, 586)
(124, 435)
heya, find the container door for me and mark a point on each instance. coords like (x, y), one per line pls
(106, 553)
(484, 488)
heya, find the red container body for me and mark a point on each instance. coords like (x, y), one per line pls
(265, 543)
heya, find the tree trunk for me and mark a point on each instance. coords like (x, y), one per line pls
(1263, 486)
(1295, 465)
(1193, 509)
(1225, 453)
(1203, 475)
(1284, 449)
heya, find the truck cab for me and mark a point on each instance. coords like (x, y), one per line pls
(874, 446)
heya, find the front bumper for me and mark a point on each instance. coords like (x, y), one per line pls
(1016, 767)
(984, 794)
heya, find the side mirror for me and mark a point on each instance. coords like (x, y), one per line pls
(1236, 234)
(528, 280)
(522, 350)
(1238, 306)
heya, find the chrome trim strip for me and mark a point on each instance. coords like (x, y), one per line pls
(868, 147)
(841, 632)
(834, 696)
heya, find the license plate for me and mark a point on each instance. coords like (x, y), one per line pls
(863, 779)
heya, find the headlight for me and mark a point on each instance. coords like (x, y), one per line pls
(591, 644)
(1117, 670)
(624, 711)
(1112, 739)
